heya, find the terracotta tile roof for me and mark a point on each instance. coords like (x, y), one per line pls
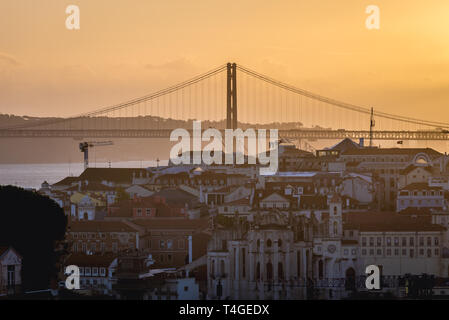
(84, 260)
(412, 167)
(391, 151)
(67, 181)
(242, 201)
(419, 186)
(100, 226)
(117, 175)
(174, 223)
(90, 186)
(388, 222)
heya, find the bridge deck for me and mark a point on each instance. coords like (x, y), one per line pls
(165, 133)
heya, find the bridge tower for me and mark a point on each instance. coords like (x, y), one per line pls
(231, 95)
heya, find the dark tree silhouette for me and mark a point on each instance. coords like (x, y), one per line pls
(32, 223)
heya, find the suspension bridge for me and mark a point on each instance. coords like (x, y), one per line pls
(232, 96)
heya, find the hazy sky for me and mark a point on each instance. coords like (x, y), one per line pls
(126, 49)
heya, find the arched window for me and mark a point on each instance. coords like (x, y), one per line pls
(320, 269)
(350, 279)
(279, 243)
(258, 244)
(222, 267)
(258, 271)
(269, 243)
(86, 216)
(269, 271)
(335, 210)
(335, 228)
(280, 271)
(212, 267)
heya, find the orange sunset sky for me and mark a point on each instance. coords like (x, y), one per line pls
(127, 49)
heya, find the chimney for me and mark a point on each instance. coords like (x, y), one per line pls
(362, 142)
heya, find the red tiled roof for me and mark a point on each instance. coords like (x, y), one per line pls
(391, 151)
(100, 226)
(420, 186)
(242, 201)
(84, 260)
(412, 167)
(179, 224)
(388, 222)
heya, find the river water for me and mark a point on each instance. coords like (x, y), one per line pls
(32, 175)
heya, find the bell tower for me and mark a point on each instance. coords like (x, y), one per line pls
(335, 216)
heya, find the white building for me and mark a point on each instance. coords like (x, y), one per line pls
(420, 195)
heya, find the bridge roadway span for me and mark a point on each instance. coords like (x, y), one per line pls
(165, 133)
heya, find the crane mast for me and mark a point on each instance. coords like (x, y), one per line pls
(84, 148)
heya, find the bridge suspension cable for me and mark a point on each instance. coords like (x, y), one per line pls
(129, 103)
(340, 104)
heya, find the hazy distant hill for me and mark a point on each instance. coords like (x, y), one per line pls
(132, 122)
(54, 150)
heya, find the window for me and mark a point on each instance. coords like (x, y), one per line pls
(429, 241)
(379, 252)
(396, 241)
(363, 252)
(429, 253)
(421, 252)
(404, 241)
(389, 241)
(412, 241)
(388, 252)
(404, 252)
(161, 244)
(379, 241)
(102, 271)
(436, 241)
(11, 275)
(437, 252)
(396, 252)
(421, 241)
(371, 242)
(269, 243)
(169, 244)
(81, 271)
(364, 242)
(95, 271)
(87, 271)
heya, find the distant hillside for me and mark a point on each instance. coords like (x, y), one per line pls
(134, 122)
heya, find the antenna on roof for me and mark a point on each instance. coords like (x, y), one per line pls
(372, 123)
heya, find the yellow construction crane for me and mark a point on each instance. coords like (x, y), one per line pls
(84, 147)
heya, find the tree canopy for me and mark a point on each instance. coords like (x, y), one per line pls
(31, 224)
